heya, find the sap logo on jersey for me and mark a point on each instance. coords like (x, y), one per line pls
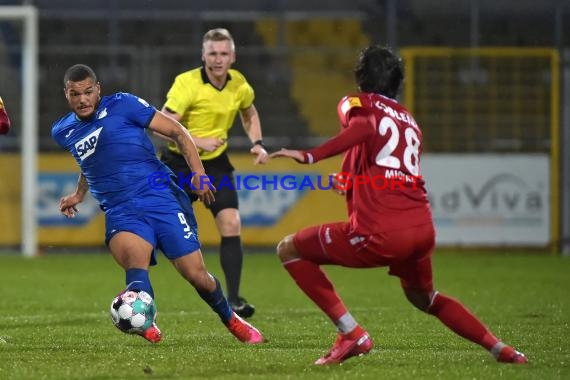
(86, 146)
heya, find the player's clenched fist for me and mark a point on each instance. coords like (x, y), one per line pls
(68, 205)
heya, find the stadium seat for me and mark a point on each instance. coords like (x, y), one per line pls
(321, 63)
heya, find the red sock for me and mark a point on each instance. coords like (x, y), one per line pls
(316, 285)
(454, 315)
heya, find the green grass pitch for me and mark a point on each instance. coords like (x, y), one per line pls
(55, 324)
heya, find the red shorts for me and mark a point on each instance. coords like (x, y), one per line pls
(407, 252)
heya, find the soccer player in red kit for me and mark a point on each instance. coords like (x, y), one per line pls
(4, 120)
(388, 225)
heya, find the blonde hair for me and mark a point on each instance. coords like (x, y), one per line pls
(218, 34)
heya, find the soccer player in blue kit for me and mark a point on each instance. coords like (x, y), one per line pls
(107, 137)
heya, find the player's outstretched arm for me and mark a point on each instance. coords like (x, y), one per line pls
(297, 155)
(361, 127)
(176, 132)
(208, 144)
(68, 204)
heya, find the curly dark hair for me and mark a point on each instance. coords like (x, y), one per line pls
(379, 70)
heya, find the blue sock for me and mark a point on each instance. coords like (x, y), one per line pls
(137, 279)
(218, 302)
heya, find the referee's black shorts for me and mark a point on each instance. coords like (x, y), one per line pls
(217, 169)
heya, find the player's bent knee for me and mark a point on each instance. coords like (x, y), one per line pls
(420, 299)
(204, 282)
(192, 268)
(230, 228)
(201, 280)
(228, 223)
(286, 249)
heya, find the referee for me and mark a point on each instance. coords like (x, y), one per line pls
(206, 100)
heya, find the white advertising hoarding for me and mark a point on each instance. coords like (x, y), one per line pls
(489, 199)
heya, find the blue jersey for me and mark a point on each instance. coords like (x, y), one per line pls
(118, 161)
(112, 148)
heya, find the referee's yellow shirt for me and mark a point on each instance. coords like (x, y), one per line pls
(207, 111)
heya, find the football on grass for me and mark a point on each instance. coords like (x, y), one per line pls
(133, 311)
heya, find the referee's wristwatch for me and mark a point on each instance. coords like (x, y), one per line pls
(260, 143)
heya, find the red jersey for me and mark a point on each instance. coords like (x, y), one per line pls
(382, 144)
(4, 120)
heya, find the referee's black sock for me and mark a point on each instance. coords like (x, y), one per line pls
(231, 260)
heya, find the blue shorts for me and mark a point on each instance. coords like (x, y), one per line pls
(165, 219)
